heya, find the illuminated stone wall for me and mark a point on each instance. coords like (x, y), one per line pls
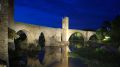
(33, 32)
(4, 30)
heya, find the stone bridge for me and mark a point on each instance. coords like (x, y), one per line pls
(54, 37)
(33, 32)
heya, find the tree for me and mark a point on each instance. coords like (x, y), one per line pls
(104, 31)
(115, 33)
(106, 26)
(100, 35)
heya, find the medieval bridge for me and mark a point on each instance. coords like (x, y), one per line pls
(54, 37)
(33, 32)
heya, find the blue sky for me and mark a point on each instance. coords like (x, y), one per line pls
(83, 14)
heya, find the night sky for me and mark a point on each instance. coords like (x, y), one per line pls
(83, 14)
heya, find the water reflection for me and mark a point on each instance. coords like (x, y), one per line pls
(76, 41)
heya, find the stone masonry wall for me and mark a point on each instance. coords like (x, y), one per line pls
(3, 30)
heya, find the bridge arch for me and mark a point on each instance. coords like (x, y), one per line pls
(38, 36)
(21, 44)
(76, 40)
(41, 43)
(22, 35)
(41, 40)
(93, 38)
(21, 39)
(73, 32)
(29, 36)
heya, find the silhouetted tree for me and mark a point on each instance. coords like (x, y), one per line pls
(115, 34)
(106, 26)
(100, 34)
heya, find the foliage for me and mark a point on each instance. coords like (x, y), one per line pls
(111, 30)
(106, 26)
(100, 34)
(115, 34)
(104, 31)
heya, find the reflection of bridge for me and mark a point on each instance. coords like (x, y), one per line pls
(53, 37)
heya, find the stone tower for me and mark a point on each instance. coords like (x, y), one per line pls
(4, 30)
(65, 23)
(65, 27)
